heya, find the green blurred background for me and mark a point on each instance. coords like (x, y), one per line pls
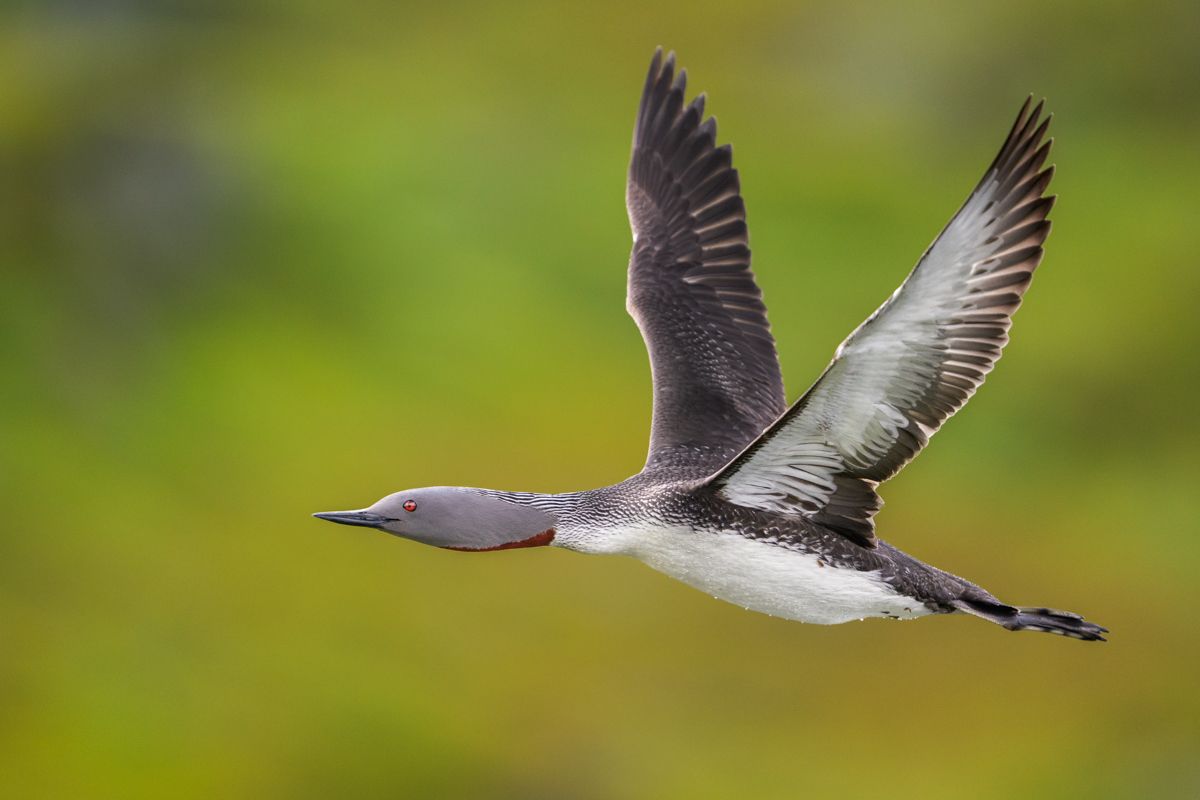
(262, 259)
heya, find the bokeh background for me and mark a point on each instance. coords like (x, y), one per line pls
(262, 259)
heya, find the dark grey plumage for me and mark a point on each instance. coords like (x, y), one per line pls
(717, 382)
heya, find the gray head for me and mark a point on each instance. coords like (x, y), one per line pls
(455, 518)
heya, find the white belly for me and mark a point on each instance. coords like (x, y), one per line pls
(758, 576)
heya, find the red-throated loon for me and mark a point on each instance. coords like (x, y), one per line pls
(763, 505)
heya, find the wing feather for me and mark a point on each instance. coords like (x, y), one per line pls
(915, 361)
(717, 383)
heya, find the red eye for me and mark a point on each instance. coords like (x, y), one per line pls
(410, 505)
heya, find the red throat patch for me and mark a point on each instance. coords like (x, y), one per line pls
(537, 540)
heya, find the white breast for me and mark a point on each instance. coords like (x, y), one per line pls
(758, 576)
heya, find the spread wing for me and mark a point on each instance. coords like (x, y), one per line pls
(716, 375)
(915, 361)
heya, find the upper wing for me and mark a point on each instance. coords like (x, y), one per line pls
(716, 376)
(915, 361)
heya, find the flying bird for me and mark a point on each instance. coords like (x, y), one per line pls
(763, 505)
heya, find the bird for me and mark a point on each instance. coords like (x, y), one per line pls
(755, 502)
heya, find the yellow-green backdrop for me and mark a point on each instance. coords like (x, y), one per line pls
(261, 259)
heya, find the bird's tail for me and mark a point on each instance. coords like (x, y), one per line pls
(1027, 618)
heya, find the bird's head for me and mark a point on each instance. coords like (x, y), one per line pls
(454, 518)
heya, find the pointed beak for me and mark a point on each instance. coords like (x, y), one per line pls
(364, 519)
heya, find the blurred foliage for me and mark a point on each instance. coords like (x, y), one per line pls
(262, 259)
